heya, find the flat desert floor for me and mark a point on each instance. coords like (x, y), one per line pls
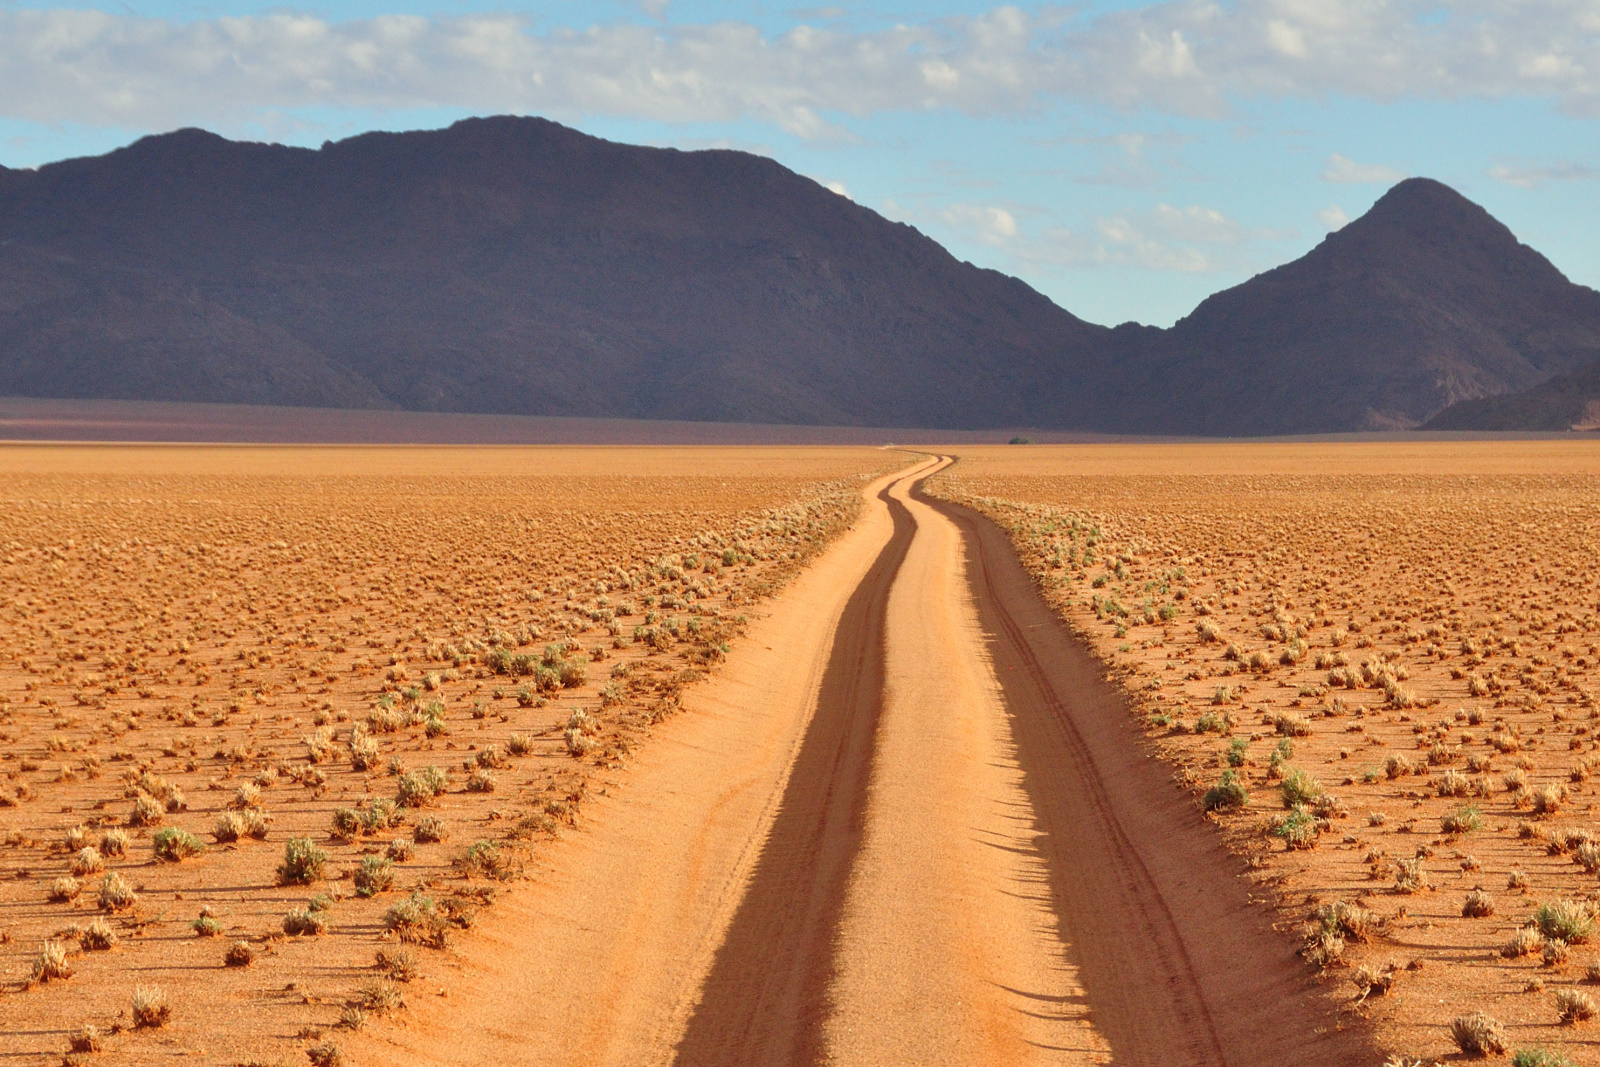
(278, 723)
(1377, 665)
(1145, 754)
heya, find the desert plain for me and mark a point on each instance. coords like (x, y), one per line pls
(1199, 753)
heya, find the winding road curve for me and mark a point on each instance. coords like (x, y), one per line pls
(908, 823)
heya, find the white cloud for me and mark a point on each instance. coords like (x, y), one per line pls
(1188, 239)
(991, 225)
(1333, 217)
(1348, 172)
(1181, 56)
(838, 188)
(1533, 175)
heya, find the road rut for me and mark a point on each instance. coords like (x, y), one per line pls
(909, 823)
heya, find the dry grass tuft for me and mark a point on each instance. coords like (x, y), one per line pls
(1478, 1035)
(150, 1007)
(1573, 1006)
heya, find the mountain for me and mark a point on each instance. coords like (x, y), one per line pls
(1565, 402)
(512, 265)
(1424, 301)
(507, 266)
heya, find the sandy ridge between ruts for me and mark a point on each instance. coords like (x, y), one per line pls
(949, 951)
(599, 958)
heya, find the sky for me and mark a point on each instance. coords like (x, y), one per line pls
(1126, 159)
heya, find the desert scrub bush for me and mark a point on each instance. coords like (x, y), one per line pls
(239, 954)
(399, 964)
(364, 753)
(87, 861)
(487, 859)
(309, 921)
(379, 997)
(380, 815)
(1322, 948)
(1350, 921)
(417, 788)
(1525, 942)
(150, 1007)
(113, 843)
(1238, 750)
(1478, 905)
(303, 862)
(50, 964)
(1564, 920)
(578, 742)
(1539, 1057)
(1410, 877)
(1288, 725)
(481, 781)
(1478, 1035)
(172, 845)
(1208, 632)
(1396, 766)
(1298, 830)
(1299, 789)
(1548, 800)
(206, 926)
(319, 745)
(147, 811)
(346, 823)
(429, 830)
(1452, 783)
(325, 1054)
(86, 1040)
(1463, 820)
(64, 889)
(520, 745)
(1374, 981)
(98, 936)
(116, 894)
(374, 876)
(417, 920)
(1573, 1006)
(1229, 792)
(399, 850)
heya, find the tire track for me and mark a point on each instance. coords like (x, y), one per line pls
(764, 1001)
(1179, 968)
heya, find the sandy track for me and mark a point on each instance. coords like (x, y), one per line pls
(764, 1000)
(949, 952)
(1176, 964)
(600, 960)
(909, 823)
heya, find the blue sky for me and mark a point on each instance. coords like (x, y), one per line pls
(1127, 159)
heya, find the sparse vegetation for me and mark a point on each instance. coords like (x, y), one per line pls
(303, 862)
(1478, 1035)
(211, 650)
(150, 1007)
(172, 845)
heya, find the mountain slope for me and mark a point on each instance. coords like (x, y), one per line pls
(1565, 402)
(512, 265)
(1423, 301)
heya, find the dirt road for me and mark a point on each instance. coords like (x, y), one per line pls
(908, 824)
